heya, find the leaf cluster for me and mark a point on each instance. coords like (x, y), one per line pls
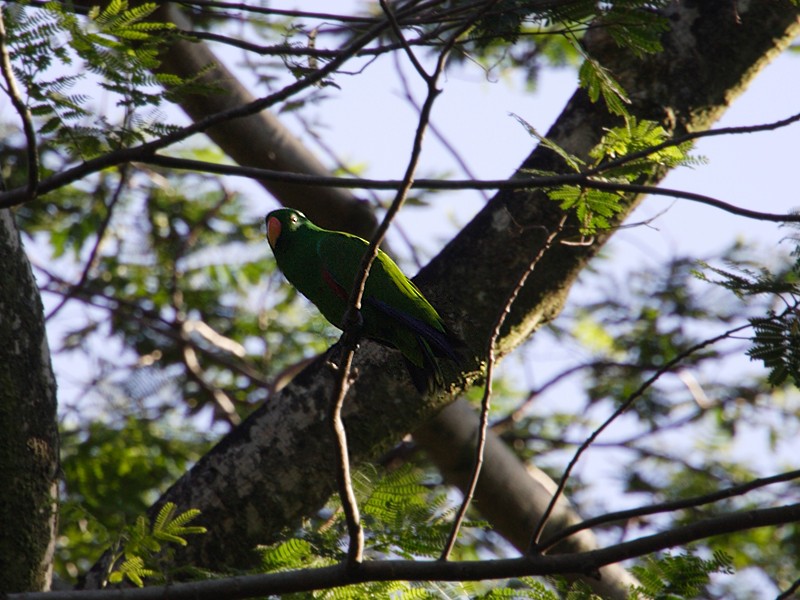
(112, 474)
(676, 576)
(642, 140)
(524, 36)
(776, 334)
(118, 46)
(403, 517)
(143, 543)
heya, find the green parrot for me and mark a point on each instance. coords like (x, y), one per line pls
(323, 265)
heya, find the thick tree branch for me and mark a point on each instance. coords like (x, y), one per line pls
(29, 445)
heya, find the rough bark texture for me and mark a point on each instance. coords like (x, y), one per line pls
(275, 468)
(28, 432)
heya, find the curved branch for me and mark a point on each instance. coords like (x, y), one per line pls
(514, 183)
(535, 546)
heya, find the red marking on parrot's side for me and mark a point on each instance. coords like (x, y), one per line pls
(273, 231)
(334, 285)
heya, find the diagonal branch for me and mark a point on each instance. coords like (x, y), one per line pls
(669, 366)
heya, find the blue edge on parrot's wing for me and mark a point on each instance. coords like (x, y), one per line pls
(432, 343)
(442, 343)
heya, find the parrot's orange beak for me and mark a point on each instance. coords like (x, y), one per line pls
(273, 231)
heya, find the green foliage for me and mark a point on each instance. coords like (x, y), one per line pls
(776, 342)
(142, 543)
(635, 24)
(113, 474)
(639, 136)
(118, 45)
(405, 518)
(548, 35)
(776, 335)
(595, 208)
(598, 82)
(402, 517)
(677, 576)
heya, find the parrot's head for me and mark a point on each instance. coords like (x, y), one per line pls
(282, 223)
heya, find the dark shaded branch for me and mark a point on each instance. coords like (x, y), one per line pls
(305, 580)
(669, 366)
(515, 183)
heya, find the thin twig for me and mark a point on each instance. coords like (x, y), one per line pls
(663, 507)
(355, 548)
(438, 133)
(487, 390)
(101, 232)
(537, 532)
(351, 317)
(195, 372)
(13, 92)
(134, 310)
(387, 10)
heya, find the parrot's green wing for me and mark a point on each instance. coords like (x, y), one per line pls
(394, 311)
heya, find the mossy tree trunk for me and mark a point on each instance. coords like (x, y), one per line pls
(28, 431)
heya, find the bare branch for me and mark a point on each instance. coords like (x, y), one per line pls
(516, 183)
(387, 10)
(304, 580)
(355, 549)
(663, 507)
(534, 545)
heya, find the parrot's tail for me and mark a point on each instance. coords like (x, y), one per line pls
(433, 347)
